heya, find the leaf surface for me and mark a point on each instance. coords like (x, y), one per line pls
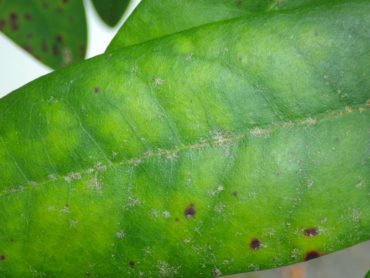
(155, 19)
(185, 158)
(111, 11)
(54, 32)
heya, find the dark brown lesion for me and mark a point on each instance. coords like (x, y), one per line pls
(13, 21)
(254, 244)
(2, 258)
(97, 90)
(311, 232)
(189, 211)
(312, 254)
(131, 264)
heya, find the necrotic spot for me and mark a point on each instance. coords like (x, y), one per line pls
(2, 25)
(131, 264)
(311, 255)
(2, 258)
(254, 244)
(27, 16)
(310, 232)
(13, 21)
(96, 90)
(189, 211)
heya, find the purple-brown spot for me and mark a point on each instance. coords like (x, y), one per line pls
(28, 48)
(27, 16)
(310, 255)
(311, 232)
(59, 38)
(44, 47)
(2, 258)
(235, 194)
(55, 50)
(254, 244)
(131, 264)
(13, 21)
(2, 25)
(189, 211)
(96, 90)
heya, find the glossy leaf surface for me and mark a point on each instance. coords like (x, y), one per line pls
(54, 32)
(155, 19)
(111, 11)
(185, 158)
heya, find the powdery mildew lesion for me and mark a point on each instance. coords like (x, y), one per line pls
(217, 139)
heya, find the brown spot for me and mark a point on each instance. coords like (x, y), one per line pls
(44, 47)
(189, 211)
(131, 264)
(13, 21)
(65, 1)
(310, 255)
(55, 50)
(82, 50)
(254, 244)
(235, 194)
(28, 48)
(2, 25)
(27, 16)
(96, 90)
(311, 232)
(59, 38)
(177, 219)
(2, 258)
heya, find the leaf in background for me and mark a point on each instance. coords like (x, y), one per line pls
(202, 153)
(111, 11)
(54, 32)
(155, 19)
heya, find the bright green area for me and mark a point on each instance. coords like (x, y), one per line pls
(264, 141)
(111, 11)
(155, 19)
(54, 32)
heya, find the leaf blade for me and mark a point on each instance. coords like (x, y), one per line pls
(194, 139)
(111, 11)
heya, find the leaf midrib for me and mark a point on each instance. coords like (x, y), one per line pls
(216, 141)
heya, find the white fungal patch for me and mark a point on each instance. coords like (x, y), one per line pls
(259, 132)
(120, 234)
(157, 82)
(310, 121)
(65, 210)
(216, 191)
(73, 223)
(216, 272)
(166, 270)
(52, 176)
(132, 202)
(72, 177)
(94, 184)
(100, 167)
(359, 184)
(294, 254)
(356, 215)
(166, 214)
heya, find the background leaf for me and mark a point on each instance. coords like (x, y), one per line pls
(54, 32)
(111, 11)
(156, 19)
(202, 153)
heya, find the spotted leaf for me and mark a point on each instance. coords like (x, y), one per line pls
(200, 154)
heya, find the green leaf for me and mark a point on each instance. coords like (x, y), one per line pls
(155, 19)
(111, 11)
(54, 32)
(202, 153)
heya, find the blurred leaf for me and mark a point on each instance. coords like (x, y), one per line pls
(111, 11)
(54, 32)
(201, 153)
(155, 19)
